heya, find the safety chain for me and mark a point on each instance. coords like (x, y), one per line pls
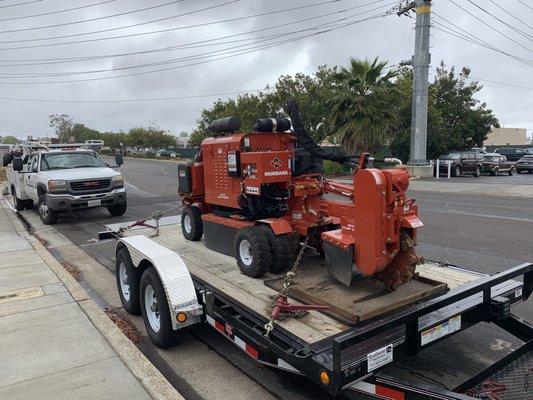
(156, 216)
(284, 291)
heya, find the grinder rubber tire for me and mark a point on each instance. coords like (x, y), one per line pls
(192, 226)
(283, 250)
(253, 251)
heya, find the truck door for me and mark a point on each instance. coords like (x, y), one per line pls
(30, 178)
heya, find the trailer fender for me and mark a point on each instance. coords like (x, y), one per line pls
(174, 275)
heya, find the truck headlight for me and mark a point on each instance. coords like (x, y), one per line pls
(118, 180)
(57, 185)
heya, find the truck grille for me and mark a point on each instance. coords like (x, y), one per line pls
(90, 186)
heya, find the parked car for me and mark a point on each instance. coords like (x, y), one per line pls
(495, 164)
(462, 162)
(512, 153)
(525, 164)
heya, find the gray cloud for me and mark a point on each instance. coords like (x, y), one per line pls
(390, 38)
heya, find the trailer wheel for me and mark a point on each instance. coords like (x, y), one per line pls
(19, 204)
(253, 251)
(192, 226)
(283, 250)
(155, 310)
(48, 216)
(127, 282)
(28, 204)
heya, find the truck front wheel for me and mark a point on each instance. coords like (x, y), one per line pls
(117, 210)
(47, 215)
(155, 311)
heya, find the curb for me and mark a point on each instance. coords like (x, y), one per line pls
(144, 371)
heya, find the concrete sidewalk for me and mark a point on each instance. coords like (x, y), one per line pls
(49, 347)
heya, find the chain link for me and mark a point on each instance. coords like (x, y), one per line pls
(284, 291)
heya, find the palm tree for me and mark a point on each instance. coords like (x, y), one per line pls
(363, 106)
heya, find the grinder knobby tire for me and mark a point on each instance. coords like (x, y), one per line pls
(253, 251)
(192, 226)
(283, 250)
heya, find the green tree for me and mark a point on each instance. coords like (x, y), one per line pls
(456, 119)
(62, 125)
(81, 133)
(310, 91)
(151, 137)
(10, 139)
(363, 105)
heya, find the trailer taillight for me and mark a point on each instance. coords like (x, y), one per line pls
(324, 378)
(181, 317)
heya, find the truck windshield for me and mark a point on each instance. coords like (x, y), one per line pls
(70, 160)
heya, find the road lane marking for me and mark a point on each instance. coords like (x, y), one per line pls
(456, 212)
(140, 192)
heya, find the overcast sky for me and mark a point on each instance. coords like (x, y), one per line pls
(390, 38)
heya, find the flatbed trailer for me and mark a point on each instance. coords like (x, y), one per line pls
(207, 287)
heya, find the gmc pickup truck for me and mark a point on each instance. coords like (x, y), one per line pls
(65, 180)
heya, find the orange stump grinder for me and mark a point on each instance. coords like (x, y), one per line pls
(255, 195)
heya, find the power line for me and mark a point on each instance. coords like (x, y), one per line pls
(133, 100)
(150, 22)
(526, 35)
(196, 56)
(527, 5)
(200, 43)
(476, 39)
(490, 26)
(248, 51)
(58, 11)
(186, 26)
(475, 78)
(94, 19)
(460, 36)
(21, 4)
(511, 14)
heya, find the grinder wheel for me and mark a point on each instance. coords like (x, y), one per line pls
(253, 251)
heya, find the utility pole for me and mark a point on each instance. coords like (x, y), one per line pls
(420, 62)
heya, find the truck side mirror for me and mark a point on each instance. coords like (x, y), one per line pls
(18, 164)
(119, 159)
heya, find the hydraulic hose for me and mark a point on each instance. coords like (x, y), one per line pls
(310, 145)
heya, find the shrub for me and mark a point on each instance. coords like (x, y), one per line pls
(332, 168)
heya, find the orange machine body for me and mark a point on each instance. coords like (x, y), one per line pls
(360, 225)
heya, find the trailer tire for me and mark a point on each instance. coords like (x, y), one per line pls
(283, 250)
(128, 282)
(28, 204)
(192, 226)
(155, 309)
(48, 216)
(253, 251)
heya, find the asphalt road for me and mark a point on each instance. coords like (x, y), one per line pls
(483, 233)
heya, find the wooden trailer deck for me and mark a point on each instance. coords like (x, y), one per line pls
(222, 272)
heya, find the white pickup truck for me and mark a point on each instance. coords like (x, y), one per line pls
(65, 180)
